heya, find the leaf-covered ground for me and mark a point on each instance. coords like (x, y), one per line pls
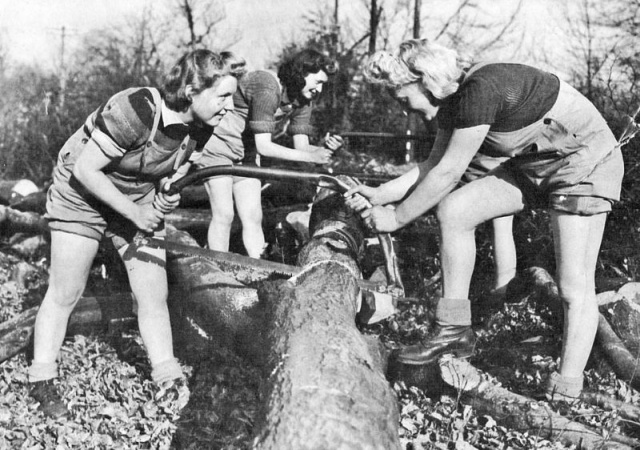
(105, 378)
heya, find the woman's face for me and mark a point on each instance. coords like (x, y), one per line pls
(413, 98)
(211, 104)
(313, 85)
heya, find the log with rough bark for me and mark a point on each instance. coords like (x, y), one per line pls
(208, 305)
(522, 413)
(91, 314)
(326, 387)
(14, 221)
(618, 325)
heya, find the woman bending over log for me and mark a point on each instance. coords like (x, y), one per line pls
(106, 184)
(560, 153)
(266, 105)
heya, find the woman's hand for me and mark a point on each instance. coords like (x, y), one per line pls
(319, 155)
(166, 203)
(361, 197)
(147, 217)
(333, 142)
(380, 219)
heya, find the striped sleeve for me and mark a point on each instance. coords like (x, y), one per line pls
(124, 122)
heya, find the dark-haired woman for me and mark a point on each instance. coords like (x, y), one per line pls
(265, 103)
(561, 154)
(105, 184)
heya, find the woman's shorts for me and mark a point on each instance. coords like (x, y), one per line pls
(70, 211)
(594, 194)
(577, 166)
(480, 166)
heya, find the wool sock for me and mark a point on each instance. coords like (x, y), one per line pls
(562, 387)
(453, 311)
(166, 370)
(42, 371)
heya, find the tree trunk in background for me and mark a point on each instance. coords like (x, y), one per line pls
(326, 386)
(374, 20)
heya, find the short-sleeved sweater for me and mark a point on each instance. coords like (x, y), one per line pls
(259, 108)
(121, 129)
(505, 96)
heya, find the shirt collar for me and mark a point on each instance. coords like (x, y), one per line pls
(170, 117)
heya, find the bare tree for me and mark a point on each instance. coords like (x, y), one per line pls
(203, 24)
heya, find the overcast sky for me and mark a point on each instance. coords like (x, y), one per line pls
(31, 29)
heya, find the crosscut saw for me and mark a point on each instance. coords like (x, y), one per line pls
(375, 295)
(322, 180)
(377, 301)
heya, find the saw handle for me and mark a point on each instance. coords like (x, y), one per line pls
(142, 237)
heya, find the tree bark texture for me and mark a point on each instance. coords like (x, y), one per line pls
(208, 305)
(326, 387)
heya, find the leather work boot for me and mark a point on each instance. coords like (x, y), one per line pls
(457, 340)
(46, 393)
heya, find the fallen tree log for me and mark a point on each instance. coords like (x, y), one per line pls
(91, 314)
(624, 364)
(523, 413)
(13, 221)
(325, 388)
(208, 306)
(618, 327)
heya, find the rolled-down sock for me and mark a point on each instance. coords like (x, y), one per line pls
(166, 370)
(453, 311)
(42, 371)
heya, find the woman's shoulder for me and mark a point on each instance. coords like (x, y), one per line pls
(260, 79)
(138, 104)
(497, 72)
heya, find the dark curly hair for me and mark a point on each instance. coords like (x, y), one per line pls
(200, 69)
(293, 71)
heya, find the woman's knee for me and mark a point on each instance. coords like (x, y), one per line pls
(63, 296)
(251, 217)
(152, 304)
(222, 215)
(452, 213)
(576, 291)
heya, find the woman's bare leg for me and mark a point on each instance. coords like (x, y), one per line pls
(459, 215)
(248, 198)
(577, 242)
(148, 280)
(220, 190)
(71, 259)
(504, 252)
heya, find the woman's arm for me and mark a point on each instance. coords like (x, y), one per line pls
(88, 169)
(270, 149)
(436, 181)
(440, 179)
(395, 190)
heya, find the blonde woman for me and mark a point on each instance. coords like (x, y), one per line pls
(560, 152)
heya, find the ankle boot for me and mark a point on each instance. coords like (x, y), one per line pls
(457, 340)
(46, 393)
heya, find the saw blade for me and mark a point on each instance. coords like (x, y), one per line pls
(260, 266)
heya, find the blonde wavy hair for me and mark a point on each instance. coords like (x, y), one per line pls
(438, 68)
